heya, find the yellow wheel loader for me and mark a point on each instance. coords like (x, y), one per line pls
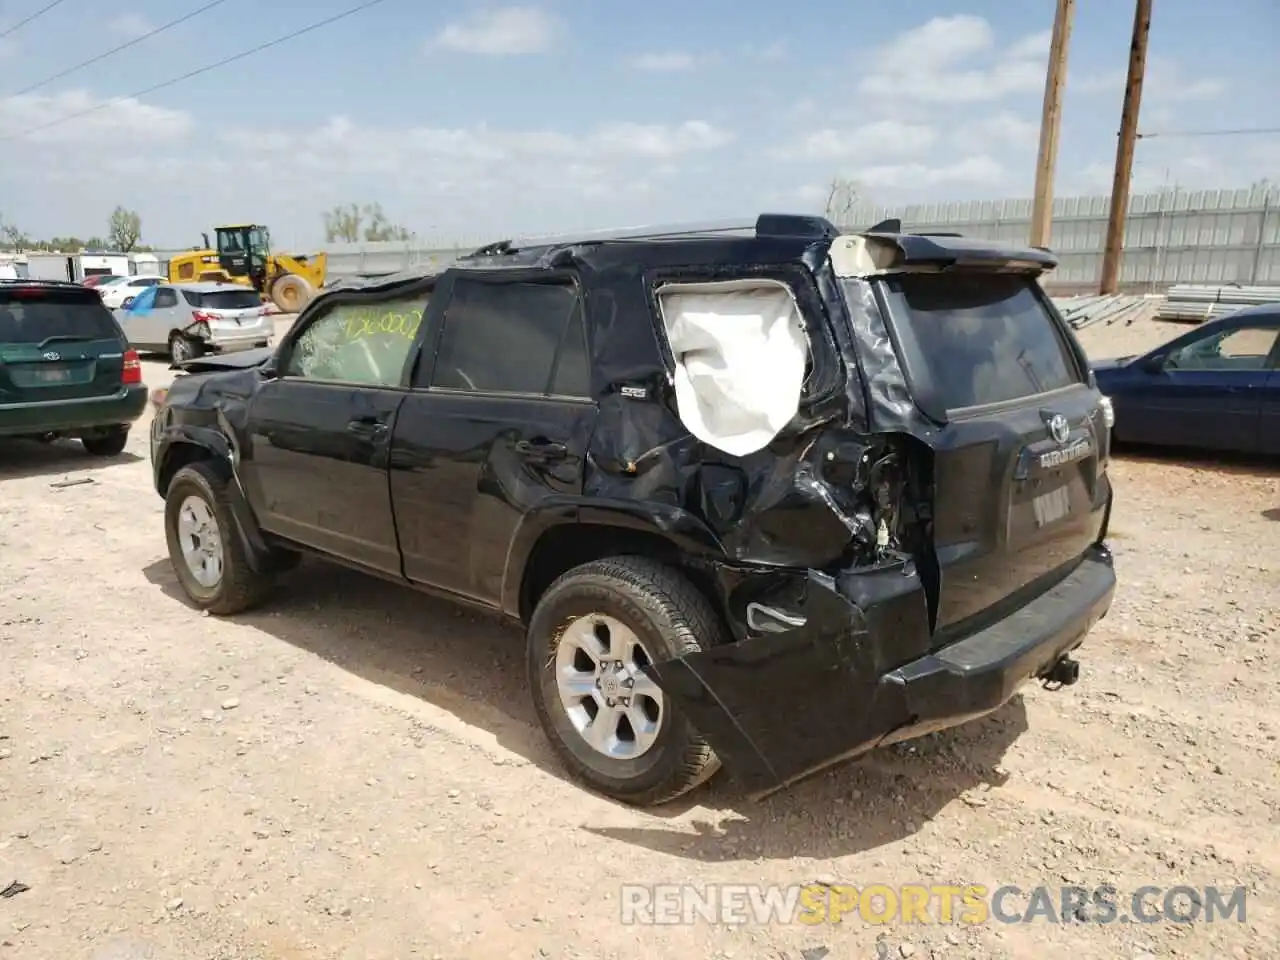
(243, 255)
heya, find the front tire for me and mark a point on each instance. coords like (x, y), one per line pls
(607, 722)
(109, 444)
(205, 549)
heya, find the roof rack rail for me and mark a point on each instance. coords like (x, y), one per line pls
(764, 225)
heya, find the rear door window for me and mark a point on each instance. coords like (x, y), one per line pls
(503, 337)
(166, 297)
(37, 316)
(983, 338)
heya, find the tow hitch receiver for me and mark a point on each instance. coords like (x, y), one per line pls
(1063, 673)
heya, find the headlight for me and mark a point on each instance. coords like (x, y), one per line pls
(1108, 412)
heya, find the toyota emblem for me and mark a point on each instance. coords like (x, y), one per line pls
(51, 355)
(1059, 429)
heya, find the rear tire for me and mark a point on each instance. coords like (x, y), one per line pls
(205, 548)
(291, 293)
(109, 444)
(183, 348)
(614, 605)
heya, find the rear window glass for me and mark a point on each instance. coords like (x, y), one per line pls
(984, 338)
(223, 299)
(59, 315)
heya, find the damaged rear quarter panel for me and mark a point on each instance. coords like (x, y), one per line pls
(772, 507)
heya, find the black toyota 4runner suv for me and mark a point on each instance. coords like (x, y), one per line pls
(765, 496)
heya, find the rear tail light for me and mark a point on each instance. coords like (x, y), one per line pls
(202, 316)
(132, 373)
(26, 293)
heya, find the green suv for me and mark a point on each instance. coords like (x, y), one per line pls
(66, 369)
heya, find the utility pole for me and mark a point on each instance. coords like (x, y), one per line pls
(1050, 124)
(1124, 149)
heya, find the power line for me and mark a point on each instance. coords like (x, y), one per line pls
(114, 50)
(351, 11)
(1210, 133)
(22, 23)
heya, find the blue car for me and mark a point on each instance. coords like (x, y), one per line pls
(1216, 387)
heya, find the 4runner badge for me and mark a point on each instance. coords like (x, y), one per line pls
(634, 393)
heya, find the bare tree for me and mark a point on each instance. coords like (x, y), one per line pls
(12, 237)
(352, 222)
(342, 223)
(843, 197)
(124, 229)
(380, 228)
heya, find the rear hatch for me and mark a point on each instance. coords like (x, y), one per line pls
(227, 312)
(1019, 485)
(57, 343)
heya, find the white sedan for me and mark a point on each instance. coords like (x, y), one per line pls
(115, 294)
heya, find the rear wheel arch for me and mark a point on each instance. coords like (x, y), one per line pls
(564, 546)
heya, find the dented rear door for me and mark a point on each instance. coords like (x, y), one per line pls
(1019, 483)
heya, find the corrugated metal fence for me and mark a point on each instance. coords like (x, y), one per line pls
(1174, 236)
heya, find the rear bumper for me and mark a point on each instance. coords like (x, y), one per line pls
(70, 416)
(240, 340)
(779, 707)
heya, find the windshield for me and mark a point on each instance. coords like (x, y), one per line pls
(981, 338)
(34, 316)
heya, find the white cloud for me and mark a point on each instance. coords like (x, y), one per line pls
(1164, 83)
(981, 170)
(1004, 129)
(103, 122)
(501, 32)
(131, 25)
(344, 147)
(673, 61)
(870, 141)
(955, 60)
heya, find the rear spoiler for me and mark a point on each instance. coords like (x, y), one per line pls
(875, 252)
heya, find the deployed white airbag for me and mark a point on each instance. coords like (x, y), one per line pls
(740, 352)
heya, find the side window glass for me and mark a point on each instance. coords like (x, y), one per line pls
(573, 368)
(166, 298)
(359, 342)
(191, 297)
(502, 337)
(1244, 349)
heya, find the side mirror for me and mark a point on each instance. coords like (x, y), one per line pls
(1153, 365)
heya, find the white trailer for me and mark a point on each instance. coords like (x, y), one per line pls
(74, 267)
(13, 266)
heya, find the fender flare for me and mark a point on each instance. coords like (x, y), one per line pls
(216, 443)
(682, 529)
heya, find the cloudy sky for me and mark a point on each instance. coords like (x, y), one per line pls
(474, 120)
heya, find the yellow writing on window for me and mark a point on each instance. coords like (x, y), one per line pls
(399, 320)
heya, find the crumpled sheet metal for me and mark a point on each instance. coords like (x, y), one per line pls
(889, 400)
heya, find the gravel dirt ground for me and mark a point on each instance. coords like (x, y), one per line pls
(355, 772)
